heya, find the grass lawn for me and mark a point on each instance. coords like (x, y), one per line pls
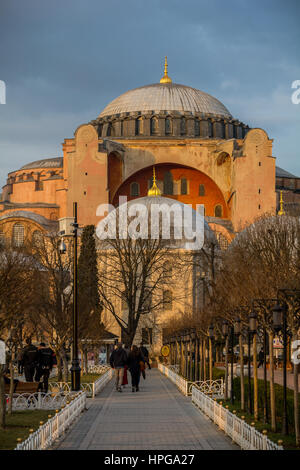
(18, 425)
(85, 378)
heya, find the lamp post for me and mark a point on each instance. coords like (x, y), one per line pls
(211, 338)
(280, 324)
(238, 333)
(252, 332)
(75, 369)
(225, 334)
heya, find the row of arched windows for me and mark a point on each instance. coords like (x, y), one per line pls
(18, 236)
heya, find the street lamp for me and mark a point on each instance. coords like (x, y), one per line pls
(237, 326)
(251, 331)
(280, 324)
(75, 369)
(62, 247)
(225, 328)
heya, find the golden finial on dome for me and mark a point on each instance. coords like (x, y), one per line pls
(281, 211)
(154, 191)
(166, 78)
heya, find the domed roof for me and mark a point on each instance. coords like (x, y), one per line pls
(166, 97)
(183, 222)
(56, 162)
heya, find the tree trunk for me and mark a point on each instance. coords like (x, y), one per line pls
(197, 360)
(210, 360)
(226, 368)
(296, 401)
(200, 360)
(242, 373)
(255, 376)
(272, 384)
(11, 385)
(59, 366)
(96, 356)
(65, 371)
(2, 398)
(204, 360)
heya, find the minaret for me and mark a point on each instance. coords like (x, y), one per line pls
(166, 78)
(154, 191)
(281, 211)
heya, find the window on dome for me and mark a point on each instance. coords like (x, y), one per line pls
(109, 130)
(197, 127)
(139, 126)
(168, 126)
(154, 125)
(168, 183)
(2, 239)
(37, 238)
(201, 190)
(184, 186)
(209, 127)
(134, 189)
(218, 211)
(182, 126)
(18, 235)
(167, 300)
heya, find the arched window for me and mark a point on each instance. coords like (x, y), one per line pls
(209, 126)
(134, 189)
(168, 183)
(184, 186)
(109, 130)
(139, 126)
(2, 239)
(197, 127)
(201, 190)
(167, 300)
(182, 126)
(218, 211)
(37, 238)
(167, 270)
(154, 125)
(168, 126)
(18, 234)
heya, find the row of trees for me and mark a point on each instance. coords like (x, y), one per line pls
(262, 262)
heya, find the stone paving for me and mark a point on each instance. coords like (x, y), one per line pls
(158, 417)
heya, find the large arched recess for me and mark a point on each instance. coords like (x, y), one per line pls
(213, 195)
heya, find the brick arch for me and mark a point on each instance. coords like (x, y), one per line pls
(213, 195)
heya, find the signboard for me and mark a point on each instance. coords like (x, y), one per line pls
(165, 351)
(277, 344)
(2, 352)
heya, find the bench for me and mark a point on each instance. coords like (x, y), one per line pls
(24, 387)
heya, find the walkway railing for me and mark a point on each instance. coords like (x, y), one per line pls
(39, 400)
(91, 388)
(49, 432)
(246, 436)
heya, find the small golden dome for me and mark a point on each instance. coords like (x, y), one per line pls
(154, 191)
(166, 78)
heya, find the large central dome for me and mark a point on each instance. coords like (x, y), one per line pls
(166, 97)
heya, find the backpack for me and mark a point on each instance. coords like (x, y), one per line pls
(46, 358)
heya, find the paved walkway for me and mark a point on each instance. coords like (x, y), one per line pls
(278, 377)
(158, 417)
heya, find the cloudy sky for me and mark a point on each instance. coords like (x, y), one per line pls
(64, 60)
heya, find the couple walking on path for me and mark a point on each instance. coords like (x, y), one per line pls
(135, 361)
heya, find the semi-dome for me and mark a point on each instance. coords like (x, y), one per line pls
(166, 97)
(56, 162)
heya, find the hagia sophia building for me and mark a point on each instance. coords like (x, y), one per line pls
(202, 154)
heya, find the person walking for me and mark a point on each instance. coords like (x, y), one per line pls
(29, 360)
(135, 360)
(45, 361)
(145, 353)
(118, 360)
(19, 361)
(260, 358)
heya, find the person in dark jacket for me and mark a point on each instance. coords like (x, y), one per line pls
(45, 361)
(118, 360)
(261, 358)
(145, 353)
(29, 360)
(135, 359)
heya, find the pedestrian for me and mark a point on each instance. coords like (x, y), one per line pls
(19, 361)
(29, 360)
(135, 360)
(145, 353)
(45, 361)
(118, 360)
(260, 358)
(125, 378)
